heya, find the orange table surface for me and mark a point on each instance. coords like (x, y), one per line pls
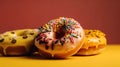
(108, 58)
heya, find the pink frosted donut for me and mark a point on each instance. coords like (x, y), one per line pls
(59, 38)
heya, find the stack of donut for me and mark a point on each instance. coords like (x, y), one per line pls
(59, 38)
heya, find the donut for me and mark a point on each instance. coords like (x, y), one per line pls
(59, 38)
(17, 42)
(95, 42)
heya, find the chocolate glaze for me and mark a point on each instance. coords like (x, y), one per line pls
(31, 33)
(13, 41)
(25, 36)
(1, 40)
(12, 32)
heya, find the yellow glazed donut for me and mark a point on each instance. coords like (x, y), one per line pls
(17, 42)
(59, 38)
(95, 42)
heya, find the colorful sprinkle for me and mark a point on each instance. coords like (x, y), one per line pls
(74, 35)
(47, 27)
(71, 39)
(42, 35)
(67, 25)
(62, 41)
(69, 31)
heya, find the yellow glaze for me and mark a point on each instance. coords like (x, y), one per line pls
(18, 36)
(94, 38)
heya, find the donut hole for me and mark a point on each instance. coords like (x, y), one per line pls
(59, 33)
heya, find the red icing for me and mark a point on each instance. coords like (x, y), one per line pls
(71, 39)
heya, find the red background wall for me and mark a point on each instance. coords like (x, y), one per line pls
(92, 14)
